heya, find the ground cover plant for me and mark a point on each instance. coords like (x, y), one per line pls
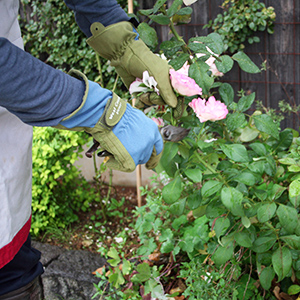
(225, 223)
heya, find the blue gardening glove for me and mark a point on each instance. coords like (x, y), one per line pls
(125, 132)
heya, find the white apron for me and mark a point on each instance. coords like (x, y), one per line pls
(15, 158)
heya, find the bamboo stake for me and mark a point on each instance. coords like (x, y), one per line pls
(138, 168)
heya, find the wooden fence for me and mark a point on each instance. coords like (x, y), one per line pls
(281, 51)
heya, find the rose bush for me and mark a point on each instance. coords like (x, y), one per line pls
(229, 200)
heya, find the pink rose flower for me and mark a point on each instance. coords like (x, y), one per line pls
(183, 84)
(210, 110)
(159, 121)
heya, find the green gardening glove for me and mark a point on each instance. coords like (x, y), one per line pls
(120, 44)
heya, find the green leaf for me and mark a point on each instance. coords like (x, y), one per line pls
(221, 226)
(145, 12)
(259, 149)
(288, 217)
(173, 9)
(167, 246)
(245, 102)
(177, 208)
(215, 43)
(185, 11)
(160, 19)
(172, 191)
(266, 124)
(148, 35)
(294, 193)
(170, 45)
(194, 175)
(292, 240)
(263, 244)
(194, 200)
(158, 4)
(235, 152)
(126, 267)
(144, 272)
(235, 120)
(117, 278)
(294, 289)
(179, 60)
(198, 71)
(285, 140)
(223, 254)
(246, 222)
(225, 65)
(245, 177)
(210, 187)
(232, 200)
(227, 93)
(245, 63)
(282, 262)
(243, 239)
(113, 253)
(248, 134)
(266, 211)
(266, 276)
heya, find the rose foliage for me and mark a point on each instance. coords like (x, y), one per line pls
(230, 199)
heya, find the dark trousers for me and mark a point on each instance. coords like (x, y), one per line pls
(23, 269)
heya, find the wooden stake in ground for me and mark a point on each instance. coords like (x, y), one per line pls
(138, 168)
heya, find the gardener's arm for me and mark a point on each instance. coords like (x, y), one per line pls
(87, 12)
(43, 96)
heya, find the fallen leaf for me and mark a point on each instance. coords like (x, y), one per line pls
(99, 270)
(179, 297)
(154, 256)
(276, 292)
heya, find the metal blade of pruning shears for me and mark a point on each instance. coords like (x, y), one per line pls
(169, 133)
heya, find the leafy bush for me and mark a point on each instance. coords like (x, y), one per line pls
(241, 20)
(58, 189)
(231, 195)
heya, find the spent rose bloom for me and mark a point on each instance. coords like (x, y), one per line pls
(210, 110)
(183, 84)
(147, 84)
(159, 121)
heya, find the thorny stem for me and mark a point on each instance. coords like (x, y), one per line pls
(184, 47)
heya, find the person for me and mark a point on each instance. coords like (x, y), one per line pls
(35, 94)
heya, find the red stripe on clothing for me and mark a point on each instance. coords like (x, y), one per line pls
(8, 252)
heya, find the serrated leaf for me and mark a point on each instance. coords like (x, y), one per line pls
(215, 43)
(185, 11)
(245, 102)
(285, 140)
(266, 124)
(158, 4)
(245, 63)
(194, 200)
(235, 152)
(259, 149)
(248, 134)
(266, 211)
(172, 191)
(173, 9)
(282, 262)
(160, 19)
(235, 120)
(126, 267)
(246, 178)
(167, 246)
(148, 35)
(198, 71)
(179, 61)
(225, 64)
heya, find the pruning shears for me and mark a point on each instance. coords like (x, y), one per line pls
(169, 133)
